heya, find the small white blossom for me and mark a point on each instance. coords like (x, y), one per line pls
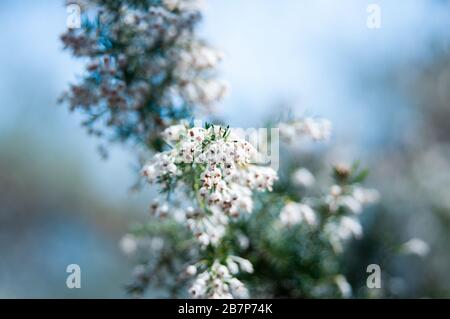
(341, 230)
(243, 241)
(365, 195)
(343, 286)
(128, 244)
(191, 270)
(159, 209)
(156, 243)
(232, 266)
(296, 213)
(173, 133)
(354, 200)
(350, 226)
(217, 283)
(352, 204)
(318, 129)
(238, 288)
(315, 128)
(303, 177)
(204, 239)
(243, 263)
(416, 246)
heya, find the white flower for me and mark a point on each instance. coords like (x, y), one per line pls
(128, 244)
(287, 131)
(352, 204)
(350, 226)
(173, 133)
(243, 241)
(156, 243)
(164, 209)
(343, 286)
(246, 266)
(207, 57)
(366, 196)
(335, 190)
(159, 209)
(238, 288)
(243, 263)
(227, 178)
(316, 128)
(203, 239)
(232, 266)
(191, 270)
(290, 215)
(130, 18)
(204, 91)
(218, 282)
(150, 172)
(342, 229)
(353, 200)
(161, 164)
(416, 246)
(197, 290)
(223, 271)
(171, 4)
(303, 177)
(308, 214)
(296, 213)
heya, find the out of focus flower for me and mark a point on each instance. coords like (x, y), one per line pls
(316, 128)
(343, 286)
(128, 244)
(217, 282)
(191, 270)
(366, 195)
(156, 243)
(416, 246)
(295, 213)
(352, 200)
(342, 229)
(303, 177)
(349, 227)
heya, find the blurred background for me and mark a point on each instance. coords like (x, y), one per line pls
(386, 90)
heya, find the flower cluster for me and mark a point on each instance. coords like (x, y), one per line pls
(220, 171)
(329, 218)
(342, 229)
(295, 213)
(219, 167)
(146, 67)
(316, 128)
(352, 200)
(340, 201)
(340, 207)
(218, 281)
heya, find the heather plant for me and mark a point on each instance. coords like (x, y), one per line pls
(145, 69)
(225, 223)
